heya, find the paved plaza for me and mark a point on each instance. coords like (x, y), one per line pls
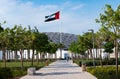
(61, 69)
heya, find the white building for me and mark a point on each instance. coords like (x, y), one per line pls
(65, 53)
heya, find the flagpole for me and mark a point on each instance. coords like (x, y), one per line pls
(60, 42)
(52, 17)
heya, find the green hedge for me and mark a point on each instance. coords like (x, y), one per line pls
(5, 73)
(104, 72)
(18, 72)
(97, 62)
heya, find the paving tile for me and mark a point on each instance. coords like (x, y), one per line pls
(61, 69)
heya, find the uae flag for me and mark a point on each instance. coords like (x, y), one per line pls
(52, 17)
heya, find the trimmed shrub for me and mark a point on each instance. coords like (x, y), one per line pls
(5, 73)
(104, 72)
(18, 72)
(89, 62)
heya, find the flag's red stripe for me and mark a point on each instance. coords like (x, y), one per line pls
(57, 15)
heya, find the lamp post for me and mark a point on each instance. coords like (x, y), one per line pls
(93, 45)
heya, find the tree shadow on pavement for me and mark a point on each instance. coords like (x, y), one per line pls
(56, 73)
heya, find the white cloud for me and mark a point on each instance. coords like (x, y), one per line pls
(77, 7)
(16, 12)
(23, 13)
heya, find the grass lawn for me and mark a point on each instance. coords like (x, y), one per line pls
(18, 64)
(13, 69)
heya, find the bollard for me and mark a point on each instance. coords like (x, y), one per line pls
(80, 64)
(47, 62)
(83, 66)
(31, 71)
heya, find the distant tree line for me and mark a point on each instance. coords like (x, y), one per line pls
(20, 38)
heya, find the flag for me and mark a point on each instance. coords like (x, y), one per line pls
(52, 17)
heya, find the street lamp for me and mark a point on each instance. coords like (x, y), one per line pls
(93, 45)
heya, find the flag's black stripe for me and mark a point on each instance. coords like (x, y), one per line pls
(50, 19)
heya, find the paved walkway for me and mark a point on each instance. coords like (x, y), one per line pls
(60, 69)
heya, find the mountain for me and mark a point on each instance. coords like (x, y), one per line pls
(66, 38)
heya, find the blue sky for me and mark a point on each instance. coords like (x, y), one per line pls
(76, 16)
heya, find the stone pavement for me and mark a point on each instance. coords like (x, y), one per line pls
(61, 69)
